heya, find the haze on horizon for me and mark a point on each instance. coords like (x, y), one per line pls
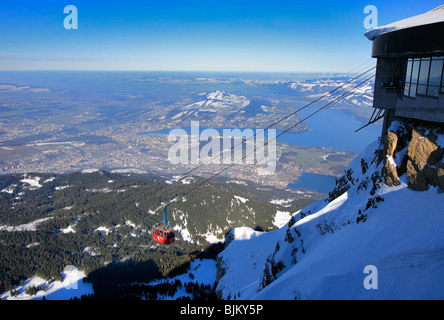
(251, 36)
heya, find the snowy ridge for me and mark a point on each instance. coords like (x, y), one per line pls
(362, 96)
(214, 102)
(71, 286)
(322, 251)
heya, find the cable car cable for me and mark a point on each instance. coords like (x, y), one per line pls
(184, 175)
(273, 124)
(348, 92)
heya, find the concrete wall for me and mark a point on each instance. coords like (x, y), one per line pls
(421, 107)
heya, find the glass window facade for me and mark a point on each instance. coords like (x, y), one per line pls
(424, 76)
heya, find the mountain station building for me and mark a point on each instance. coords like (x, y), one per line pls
(409, 81)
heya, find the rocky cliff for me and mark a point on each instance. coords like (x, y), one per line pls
(420, 155)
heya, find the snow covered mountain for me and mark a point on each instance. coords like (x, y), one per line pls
(358, 101)
(370, 239)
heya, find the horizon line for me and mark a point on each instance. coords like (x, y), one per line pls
(205, 71)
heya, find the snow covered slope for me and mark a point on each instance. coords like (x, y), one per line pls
(72, 286)
(323, 251)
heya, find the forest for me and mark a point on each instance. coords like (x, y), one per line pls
(101, 222)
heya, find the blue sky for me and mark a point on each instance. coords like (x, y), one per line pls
(189, 35)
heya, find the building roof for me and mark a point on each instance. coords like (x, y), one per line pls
(434, 16)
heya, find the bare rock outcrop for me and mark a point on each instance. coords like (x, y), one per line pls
(422, 160)
(389, 171)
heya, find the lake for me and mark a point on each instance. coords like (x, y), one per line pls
(329, 128)
(318, 182)
(336, 129)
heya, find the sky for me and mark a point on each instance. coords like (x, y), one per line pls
(190, 35)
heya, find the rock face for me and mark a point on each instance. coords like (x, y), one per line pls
(422, 160)
(389, 171)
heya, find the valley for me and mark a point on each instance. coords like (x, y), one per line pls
(66, 122)
(96, 218)
(84, 165)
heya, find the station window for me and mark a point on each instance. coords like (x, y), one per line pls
(424, 76)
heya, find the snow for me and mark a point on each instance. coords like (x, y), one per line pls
(9, 189)
(31, 226)
(69, 229)
(237, 182)
(242, 259)
(281, 218)
(32, 245)
(434, 16)
(241, 199)
(187, 180)
(71, 286)
(129, 170)
(103, 230)
(211, 238)
(183, 231)
(402, 236)
(282, 202)
(391, 161)
(202, 271)
(61, 187)
(32, 182)
(91, 251)
(131, 224)
(440, 139)
(49, 180)
(315, 88)
(245, 233)
(218, 100)
(395, 242)
(103, 190)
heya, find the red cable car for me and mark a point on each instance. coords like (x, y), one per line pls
(163, 232)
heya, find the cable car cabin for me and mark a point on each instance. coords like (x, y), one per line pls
(162, 234)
